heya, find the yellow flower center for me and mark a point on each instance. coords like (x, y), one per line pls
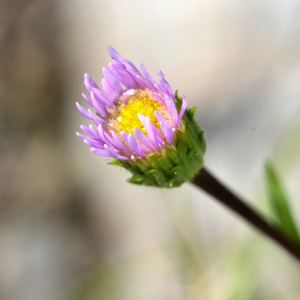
(128, 118)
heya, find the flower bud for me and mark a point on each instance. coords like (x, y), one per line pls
(142, 125)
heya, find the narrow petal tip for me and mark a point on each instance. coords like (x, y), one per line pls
(113, 53)
(183, 107)
(158, 116)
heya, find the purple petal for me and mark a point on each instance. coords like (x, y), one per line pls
(112, 143)
(158, 135)
(149, 128)
(144, 149)
(159, 99)
(150, 80)
(97, 120)
(120, 144)
(159, 117)
(100, 152)
(83, 111)
(93, 131)
(146, 73)
(134, 145)
(166, 86)
(173, 112)
(94, 144)
(167, 131)
(143, 119)
(161, 90)
(122, 75)
(87, 99)
(110, 92)
(89, 83)
(129, 65)
(151, 135)
(113, 53)
(183, 107)
(82, 136)
(126, 94)
(124, 136)
(103, 98)
(87, 130)
(160, 74)
(98, 105)
(115, 154)
(115, 84)
(89, 138)
(142, 138)
(102, 136)
(106, 137)
(145, 82)
(138, 78)
(168, 106)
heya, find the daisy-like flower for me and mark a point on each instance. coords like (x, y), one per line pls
(141, 124)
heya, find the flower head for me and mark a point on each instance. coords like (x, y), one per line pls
(140, 123)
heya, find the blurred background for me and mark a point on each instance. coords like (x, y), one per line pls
(71, 227)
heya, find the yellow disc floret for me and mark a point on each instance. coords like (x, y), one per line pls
(128, 118)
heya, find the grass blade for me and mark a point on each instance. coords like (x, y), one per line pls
(280, 205)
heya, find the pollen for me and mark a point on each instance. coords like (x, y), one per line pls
(128, 118)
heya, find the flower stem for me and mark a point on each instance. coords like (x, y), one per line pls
(212, 186)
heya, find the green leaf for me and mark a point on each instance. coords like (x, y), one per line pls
(280, 205)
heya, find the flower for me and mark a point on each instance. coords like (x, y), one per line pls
(140, 123)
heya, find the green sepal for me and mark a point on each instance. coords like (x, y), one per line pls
(191, 152)
(170, 181)
(178, 99)
(191, 112)
(135, 182)
(175, 168)
(138, 176)
(115, 162)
